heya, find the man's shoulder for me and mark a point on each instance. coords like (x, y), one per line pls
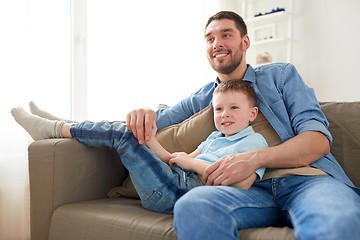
(273, 67)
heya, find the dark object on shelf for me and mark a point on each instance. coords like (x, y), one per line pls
(276, 10)
(272, 11)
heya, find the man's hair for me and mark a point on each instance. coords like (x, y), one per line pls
(238, 85)
(239, 22)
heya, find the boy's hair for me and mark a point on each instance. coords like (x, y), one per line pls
(239, 86)
(239, 22)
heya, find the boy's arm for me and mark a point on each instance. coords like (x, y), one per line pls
(156, 147)
(247, 183)
(188, 162)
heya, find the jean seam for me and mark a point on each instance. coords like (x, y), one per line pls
(151, 193)
(294, 221)
(230, 210)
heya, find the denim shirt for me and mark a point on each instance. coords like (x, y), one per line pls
(283, 97)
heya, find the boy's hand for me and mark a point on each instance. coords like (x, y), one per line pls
(141, 122)
(182, 159)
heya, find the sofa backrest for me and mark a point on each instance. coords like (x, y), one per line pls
(344, 119)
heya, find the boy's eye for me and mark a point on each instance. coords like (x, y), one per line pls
(218, 109)
(234, 107)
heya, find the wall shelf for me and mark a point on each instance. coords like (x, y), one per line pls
(273, 17)
(270, 34)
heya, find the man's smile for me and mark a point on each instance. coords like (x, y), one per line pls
(222, 54)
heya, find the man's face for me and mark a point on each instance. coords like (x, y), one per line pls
(224, 46)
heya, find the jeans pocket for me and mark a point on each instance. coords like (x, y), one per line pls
(158, 202)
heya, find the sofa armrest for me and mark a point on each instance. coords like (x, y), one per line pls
(63, 171)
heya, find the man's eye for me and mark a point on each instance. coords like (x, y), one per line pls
(227, 35)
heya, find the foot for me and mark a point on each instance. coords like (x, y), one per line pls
(38, 128)
(41, 113)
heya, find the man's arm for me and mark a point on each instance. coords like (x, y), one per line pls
(301, 150)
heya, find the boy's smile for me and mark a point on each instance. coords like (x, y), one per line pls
(232, 112)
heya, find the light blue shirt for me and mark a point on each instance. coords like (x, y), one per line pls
(285, 100)
(217, 146)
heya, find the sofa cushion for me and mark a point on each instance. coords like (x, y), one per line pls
(187, 135)
(125, 218)
(110, 219)
(344, 120)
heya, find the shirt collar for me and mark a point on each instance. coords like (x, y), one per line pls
(243, 133)
(249, 76)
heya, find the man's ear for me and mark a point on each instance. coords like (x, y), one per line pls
(246, 42)
(254, 113)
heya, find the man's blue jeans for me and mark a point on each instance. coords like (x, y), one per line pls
(317, 207)
(158, 185)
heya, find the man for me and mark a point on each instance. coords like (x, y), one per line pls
(304, 188)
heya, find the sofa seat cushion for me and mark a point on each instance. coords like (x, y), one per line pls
(109, 219)
(125, 218)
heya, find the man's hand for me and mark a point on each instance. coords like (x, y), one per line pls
(231, 169)
(141, 122)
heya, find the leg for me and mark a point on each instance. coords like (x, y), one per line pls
(321, 207)
(65, 130)
(218, 212)
(158, 185)
(34, 109)
(38, 128)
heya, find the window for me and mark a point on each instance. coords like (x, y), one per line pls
(143, 53)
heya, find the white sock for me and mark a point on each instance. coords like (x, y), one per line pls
(38, 128)
(41, 113)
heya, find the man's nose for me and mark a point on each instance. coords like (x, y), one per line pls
(218, 44)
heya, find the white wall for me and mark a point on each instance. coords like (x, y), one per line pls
(326, 49)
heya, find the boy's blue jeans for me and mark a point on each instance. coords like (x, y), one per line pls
(318, 207)
(158, 185)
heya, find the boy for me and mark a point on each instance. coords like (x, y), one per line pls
(160, 183)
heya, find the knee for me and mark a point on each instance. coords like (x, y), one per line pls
(193, 203)
(196, 204)
(345, 222)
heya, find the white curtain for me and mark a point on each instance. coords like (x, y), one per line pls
(34, 65)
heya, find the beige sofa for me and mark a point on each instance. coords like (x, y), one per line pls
(69, 184)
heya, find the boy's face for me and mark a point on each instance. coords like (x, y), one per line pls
(232, 112)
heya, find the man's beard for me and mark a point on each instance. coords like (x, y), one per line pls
(234, 63)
